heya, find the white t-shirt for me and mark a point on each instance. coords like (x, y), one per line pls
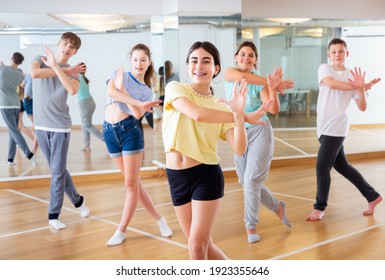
(332, 119)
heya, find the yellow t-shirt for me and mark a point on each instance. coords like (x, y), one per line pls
(197, 140)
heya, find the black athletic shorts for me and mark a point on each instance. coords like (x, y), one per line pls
(201, 182)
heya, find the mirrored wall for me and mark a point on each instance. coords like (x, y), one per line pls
(298, 47)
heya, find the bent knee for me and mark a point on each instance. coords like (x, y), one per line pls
(198, 249)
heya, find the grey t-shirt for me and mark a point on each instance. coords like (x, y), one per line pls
(10, 78)
(50, 109)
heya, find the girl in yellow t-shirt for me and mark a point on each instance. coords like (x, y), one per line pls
(193, 122)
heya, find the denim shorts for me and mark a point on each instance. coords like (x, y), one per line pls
(123, 138)
(28, 106)
(201, 182)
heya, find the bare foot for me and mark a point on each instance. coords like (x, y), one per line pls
(315, 215)
(371, 206)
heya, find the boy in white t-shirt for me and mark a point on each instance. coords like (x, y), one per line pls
(337, 87)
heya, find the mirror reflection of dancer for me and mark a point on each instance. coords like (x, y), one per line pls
(253, 166)
(193, 123)
(169, 73)
(129, 97)
(27, 104)
(159, 89)
(337, 87)
(10, 78)
(87, 108)
(53, 80)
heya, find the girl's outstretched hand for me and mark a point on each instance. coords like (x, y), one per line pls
(148, 106)
(282, 84)
(273, 82)
(255, 117)
(285, 84)
(238, 99)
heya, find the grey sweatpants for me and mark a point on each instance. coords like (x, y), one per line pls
(253, 168)
(54, 146)
(11, 119)
(87, 108)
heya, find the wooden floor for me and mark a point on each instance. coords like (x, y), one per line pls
(344, 233)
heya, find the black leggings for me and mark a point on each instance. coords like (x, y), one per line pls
(331, 154)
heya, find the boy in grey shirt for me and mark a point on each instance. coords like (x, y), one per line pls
(53, 79)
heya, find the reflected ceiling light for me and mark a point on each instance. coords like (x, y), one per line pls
(312, 32)
(289, 20)
(247, 34)
(264, 32)
(94, 22)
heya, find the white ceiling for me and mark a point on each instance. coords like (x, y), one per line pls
(96, 22)
(13, 20)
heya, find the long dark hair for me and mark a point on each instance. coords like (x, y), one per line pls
(211, 49)
(148, 76)
(84, 75)
(168, 69)
(86, 79)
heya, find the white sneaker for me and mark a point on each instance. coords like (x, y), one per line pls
(56, 224)
(84, 211)
(33, 160)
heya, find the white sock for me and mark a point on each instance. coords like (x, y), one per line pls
(117, 238)
(165, 231)
(56, 224)
(84, 211)
(252, 238)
